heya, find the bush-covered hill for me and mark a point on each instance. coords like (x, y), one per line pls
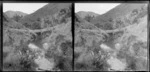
(11, 14)
(83, 14)
(120, 45)
(44, 45)
(48, 9)
(105, 21)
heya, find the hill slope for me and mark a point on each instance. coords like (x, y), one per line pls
(54, 32)
(48, 9)
(8, 22)
(11, 14)
(123, 49)
(118, 11)
(82, 14)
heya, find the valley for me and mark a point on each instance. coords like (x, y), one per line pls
(43, 44)
(45, 40)
(117, 40)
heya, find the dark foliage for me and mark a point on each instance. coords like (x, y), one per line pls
(80, 66)
(59, 39)
(66, 47)
(89, 18)
(76, 55)
(35, 25)
(17, 17)
(105, 25)
(98, 64)
(64, 64)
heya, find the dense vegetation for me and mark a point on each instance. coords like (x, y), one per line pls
(127, 29)
(17, 56)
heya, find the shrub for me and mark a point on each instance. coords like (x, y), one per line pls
(27, 25)
(64, 64)
(98, 25)
(80, 66)
(88, 18)
(108, 26)
(17, 17)
(66, 47)
(36, 25)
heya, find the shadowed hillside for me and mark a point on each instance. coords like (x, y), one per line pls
(117, 12)
(48, 9)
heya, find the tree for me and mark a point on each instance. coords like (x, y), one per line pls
(108, 26)
(99, 25)
(88, 18)
(17, 17)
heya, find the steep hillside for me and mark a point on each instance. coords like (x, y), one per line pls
(8, 22)
(133, 46)
(119, 44)
(81, 23)
(11, 14)
(82, 14)
(44, 46)
(87, 40)
(117, 12)
(48, 9)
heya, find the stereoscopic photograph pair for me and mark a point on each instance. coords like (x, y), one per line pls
(74, 37)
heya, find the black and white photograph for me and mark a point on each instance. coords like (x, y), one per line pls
(111, 37)
(37, 37)
(74, 36)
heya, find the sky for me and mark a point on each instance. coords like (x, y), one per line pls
(99, 8)
(23, 7)
(29, 8)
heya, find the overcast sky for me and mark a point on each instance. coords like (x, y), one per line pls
(99, 8)
(23, 7)
(29, 8)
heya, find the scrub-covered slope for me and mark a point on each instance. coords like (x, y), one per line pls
(48, 9)
(104, 21)
(44, 46)
(122, 47)
(11, 14)
(83, 14)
